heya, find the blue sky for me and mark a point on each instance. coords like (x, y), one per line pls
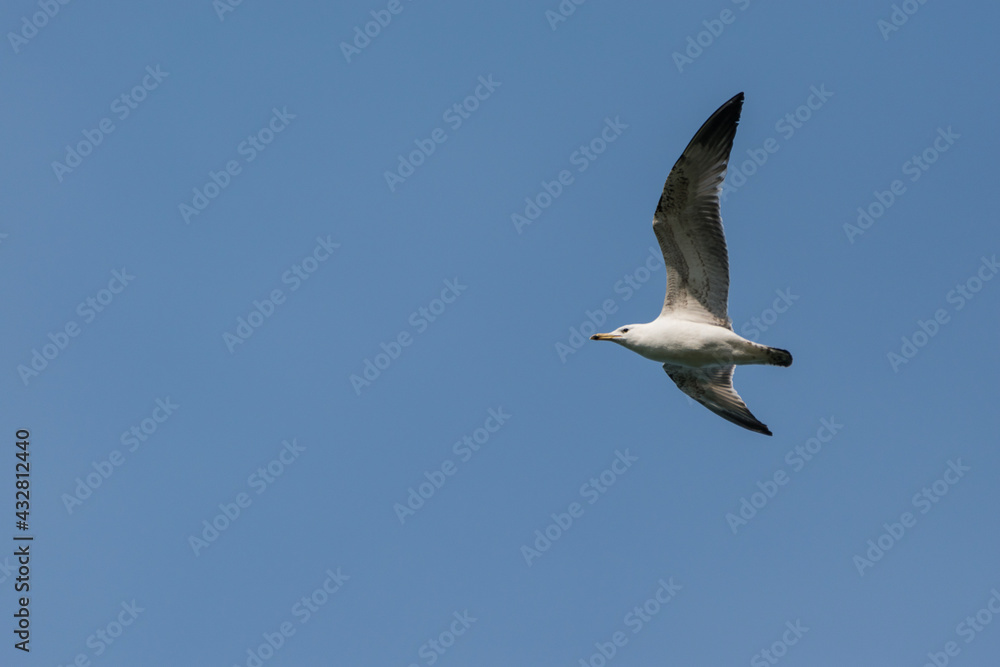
(295, 319)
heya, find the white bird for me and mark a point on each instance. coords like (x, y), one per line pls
(693, 337)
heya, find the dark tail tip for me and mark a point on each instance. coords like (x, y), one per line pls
(779, 357)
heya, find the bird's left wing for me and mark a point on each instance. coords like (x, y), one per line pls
(688, 224)
(713, 388)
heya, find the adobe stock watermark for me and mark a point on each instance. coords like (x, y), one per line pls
(30, 25)
(796, 459)
(915, 167)
(223, 7)
(635, 620)
(755, 326)
(959, 296)
(249, 149)
(968, 629)
(779, 648)
(295, 276)
(924, 501)
(562, 12)
(105, 636)
(258, 481)
(122, 107)
(698, 43)
(898, 17)
(592, 490)
(88, 310)
(419, 320)
(433, 649)
(363, 35)
(627, 286)
(455, 115)
(786, 126)
(7, 569)
(136, 436)
(464, 448)
(581, 158)
(302, 611)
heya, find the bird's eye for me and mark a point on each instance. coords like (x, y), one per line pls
(625, 330)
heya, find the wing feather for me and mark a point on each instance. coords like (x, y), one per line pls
(713, 388)
(688, 223)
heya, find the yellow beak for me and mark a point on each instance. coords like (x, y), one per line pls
(607, 336)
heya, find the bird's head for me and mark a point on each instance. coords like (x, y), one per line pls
(625, 336)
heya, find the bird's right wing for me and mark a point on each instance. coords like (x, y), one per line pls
(688, 224)
(713, 388)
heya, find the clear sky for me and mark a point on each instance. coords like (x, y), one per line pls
(296, 299)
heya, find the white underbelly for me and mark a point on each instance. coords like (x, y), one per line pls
(698, 345)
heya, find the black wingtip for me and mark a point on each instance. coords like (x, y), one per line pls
(720, 128)
(726, 115)
(756, 425)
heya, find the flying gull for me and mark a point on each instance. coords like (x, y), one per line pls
(693, 337)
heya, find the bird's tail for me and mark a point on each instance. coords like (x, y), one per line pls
(778, 357)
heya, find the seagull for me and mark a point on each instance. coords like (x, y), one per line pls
(693, 337)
